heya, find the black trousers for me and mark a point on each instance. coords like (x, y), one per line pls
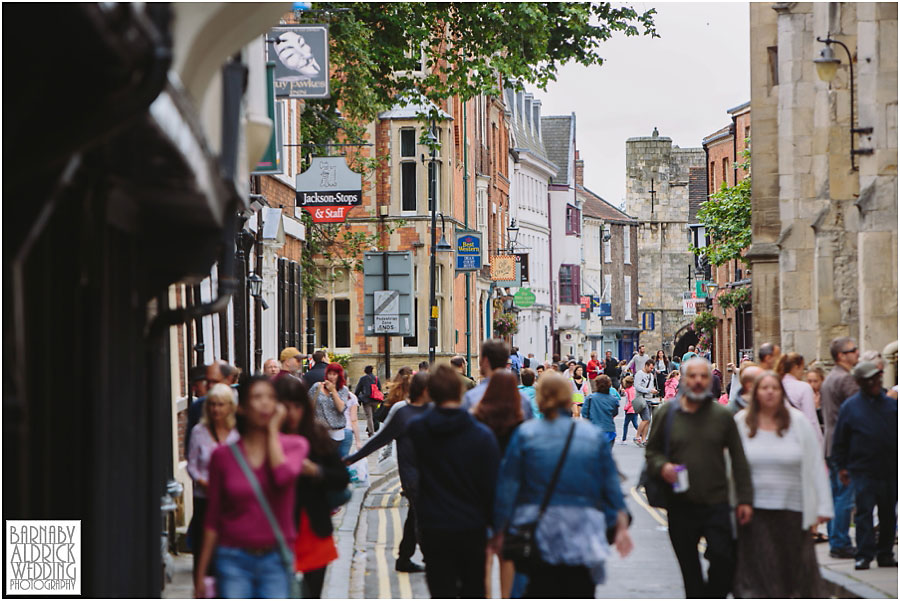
(872, 493)
(547, 581)
(687, 523)
(313, 581)
(454, 563)
(407, 546)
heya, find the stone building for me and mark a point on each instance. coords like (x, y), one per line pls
(611, 273)
(824, 252)
(657, 195)
(724, 153)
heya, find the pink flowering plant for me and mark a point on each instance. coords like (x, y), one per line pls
(506, 324)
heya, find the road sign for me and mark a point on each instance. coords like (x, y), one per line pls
(388, 309)
(689, 305)
(524, 298)
(468, 251)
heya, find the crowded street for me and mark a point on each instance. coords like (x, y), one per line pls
(409, 300)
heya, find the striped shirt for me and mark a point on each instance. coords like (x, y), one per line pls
(775, 467)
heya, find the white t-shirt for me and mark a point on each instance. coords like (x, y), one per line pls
(776, 468)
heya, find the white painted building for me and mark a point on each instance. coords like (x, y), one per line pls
(531, 170)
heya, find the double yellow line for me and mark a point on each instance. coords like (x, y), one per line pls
(659, 515)
(391, 510)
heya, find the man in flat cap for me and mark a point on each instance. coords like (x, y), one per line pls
(864, 449)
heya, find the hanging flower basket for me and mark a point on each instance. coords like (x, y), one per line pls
(734, 298)
(705, 323)
(506, 324)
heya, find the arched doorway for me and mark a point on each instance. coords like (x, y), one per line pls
(684, 338)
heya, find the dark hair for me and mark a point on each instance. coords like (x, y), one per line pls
(501, 408)
(766, 349)
(293, 391)
(198, 373)
(368, 369)
(556, 358)
(244, 386)
(339, 370)
(540, 367)
(604, 383)
(575, 371)
(496, 352)
(527, 376)
(837, 346)
(417, 386)
(457, 361)
(788, 362)
(318, 356)
(782, 415)
(423, 366)
(444, 385)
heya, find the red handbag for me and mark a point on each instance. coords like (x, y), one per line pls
(376, 394)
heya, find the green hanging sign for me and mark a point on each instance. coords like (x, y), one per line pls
(524, 298)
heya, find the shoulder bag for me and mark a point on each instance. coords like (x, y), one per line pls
(376, 394)
(659, 491)
(294, 578)
(519, 542)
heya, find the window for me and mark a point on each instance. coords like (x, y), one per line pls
(627, 298)
(320, 308)
(626, 241)
(408, 143)
(573, 221)
(606, 294)
(408, 186)
(413, 341)
(342, 323)
(569, 284)
(607, 243)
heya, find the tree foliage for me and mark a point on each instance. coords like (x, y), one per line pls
(726, 217)
(469, 49)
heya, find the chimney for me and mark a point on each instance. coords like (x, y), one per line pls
(528, 125)
(519, 101)
(579, 170)
(536, 111)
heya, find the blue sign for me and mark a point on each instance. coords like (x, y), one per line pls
(468, 251)
(648, 321)
(605, 310)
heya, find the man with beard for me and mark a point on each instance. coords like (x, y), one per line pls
(700, 431)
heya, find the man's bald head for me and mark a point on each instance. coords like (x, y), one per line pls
(749, 374)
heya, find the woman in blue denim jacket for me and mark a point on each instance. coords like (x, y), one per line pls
(586, 511)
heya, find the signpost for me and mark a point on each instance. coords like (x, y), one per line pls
(524, 298)
(387, 311)
(300, 54)
(388, 304)
(468, 251)
(328, 189)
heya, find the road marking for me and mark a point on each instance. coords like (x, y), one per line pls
(402, 577)
(384, 578)
(651, 510)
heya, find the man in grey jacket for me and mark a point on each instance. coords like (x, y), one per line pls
(645, 386)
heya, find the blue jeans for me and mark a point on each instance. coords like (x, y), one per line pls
(631, 418)
(344, 445)
(243, 575)
(839, 527)
(520, 583)
(874, 493)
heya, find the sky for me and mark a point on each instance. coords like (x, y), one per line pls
(682, 83)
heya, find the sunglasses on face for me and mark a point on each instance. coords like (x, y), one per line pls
(852, 350)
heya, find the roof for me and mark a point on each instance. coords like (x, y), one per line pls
(739, 108)
(524, 138)
(415, 107)
(596, 207)
(558, 133)
(717, 135)
(696, 192)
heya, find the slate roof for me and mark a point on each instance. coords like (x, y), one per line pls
(557, 133)
(696, 192)
(524, 138)
(594, 206)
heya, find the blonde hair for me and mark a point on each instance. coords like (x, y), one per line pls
(219, 392)
(554, 392)
(674, 374)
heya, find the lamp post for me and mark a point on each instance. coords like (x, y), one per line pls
(512, 234)
(432, 299)
(826, 67)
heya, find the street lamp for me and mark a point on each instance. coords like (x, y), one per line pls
(255, 283)
(432, 141)
(826, 67)
(443, 246)
(512, 233)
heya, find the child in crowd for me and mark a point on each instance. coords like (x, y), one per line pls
(630, 416)
(672, 384)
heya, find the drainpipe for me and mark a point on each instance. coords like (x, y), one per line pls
(467, 275)
(552, 287)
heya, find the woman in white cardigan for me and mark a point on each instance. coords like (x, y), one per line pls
(775, 557)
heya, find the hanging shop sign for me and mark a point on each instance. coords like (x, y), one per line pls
(300, 54)
(524, 298)
(522, 259)
(468, 251)
(585, 307)
(270, 163)
(503, 268)
(328, 189)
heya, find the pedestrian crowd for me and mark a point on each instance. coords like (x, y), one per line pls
(519, 466)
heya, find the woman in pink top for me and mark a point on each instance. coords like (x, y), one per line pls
(798, 393)
(247, 556)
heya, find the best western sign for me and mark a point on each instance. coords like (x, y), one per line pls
(329, 189)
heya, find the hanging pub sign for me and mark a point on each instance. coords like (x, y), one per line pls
(468, 251)
(329, 189)
(503, 269)
(522, 259)
(585, 307)
(270, 163)
(300, 54)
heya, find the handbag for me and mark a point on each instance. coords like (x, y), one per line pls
(381, 412)
(659, 491)
(294, 578)
(376, 394)
(519, 542)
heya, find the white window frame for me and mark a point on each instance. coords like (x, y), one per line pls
(607, 244)
(626, 244)
(627, 297)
